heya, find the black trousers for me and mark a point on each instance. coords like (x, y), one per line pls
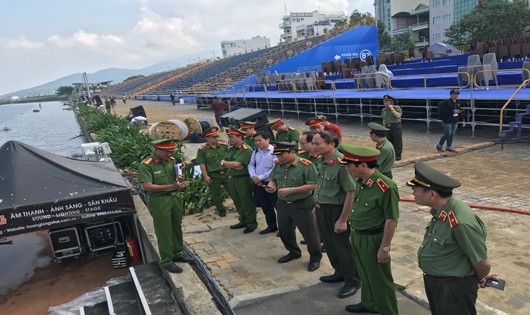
(452, 297)
(267, 201)
(395, 137)
(299, 215)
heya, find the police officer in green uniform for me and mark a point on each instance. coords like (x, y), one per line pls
(334, 197)
(373, 219)
(249, 128)
(391, 116)
(453, 254)
(209, 158)
(239, 183)
(315, 124)
(385, 160)
(284, 133)
(157, 173)
(306, 147)
(294, 179)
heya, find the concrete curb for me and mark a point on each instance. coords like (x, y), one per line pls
(251, 298)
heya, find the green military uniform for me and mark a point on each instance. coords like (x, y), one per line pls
(387, 156)
(295, 209)
(249, 141)
(315, 159)
(291, 135)
(394, 124)
(211, 157)
(455, 239)
(165, 208)
(333, 181)
(240, 185)
(376, 201)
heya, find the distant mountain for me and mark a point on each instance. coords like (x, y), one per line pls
(116, 75)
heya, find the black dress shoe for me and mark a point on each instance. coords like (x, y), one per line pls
(303, 242)
(313, 265)
(237, 226)
(347, 291)
(268, 230)
(222, 213)
(184, 259)
(288, 258)
(358, 308)
(249, 229)
(173, 268)
(332, 279)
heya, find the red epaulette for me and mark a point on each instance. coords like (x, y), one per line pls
(452, 219)
(171, 157)
(244, 146)
(276, 161)
(379, 145)
(382, 184)
(301, 152)
(222, 143)
(306, 162)
(442, 216)
(203, 147)
(369, 183)
(340, 160)
(148, 161)
(291, 128)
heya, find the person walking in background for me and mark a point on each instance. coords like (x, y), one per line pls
(124, 99)
(107, 105)
(219, 108)
(239, 186)
(391, 116)
(209, 158)
(172, 97)
(334, 197)
(294, 178)
(284, 133)
(450, 113)
(453, 255)
(112, 102)
(260, 168)
(385, 160)
(159, 180)
(373, 219)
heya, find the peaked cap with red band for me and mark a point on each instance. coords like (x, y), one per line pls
(212, 131)
(247, 124)
(275, 122)
(428, 177)
(165, 144)
(234, 131)
(356, 153)
(314, 121)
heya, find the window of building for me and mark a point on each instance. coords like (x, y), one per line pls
(436, 38)
(447, 18)
(436, 20)
(446, 2)
(436, 3)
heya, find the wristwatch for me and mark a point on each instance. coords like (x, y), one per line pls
(386, 249)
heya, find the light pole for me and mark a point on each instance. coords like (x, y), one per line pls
(213, 53)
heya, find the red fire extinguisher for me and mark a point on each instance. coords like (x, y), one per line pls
(134, 252)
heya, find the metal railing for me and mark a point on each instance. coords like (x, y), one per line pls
(501, 114)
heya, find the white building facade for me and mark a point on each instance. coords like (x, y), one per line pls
(243, 46)
(303, 25)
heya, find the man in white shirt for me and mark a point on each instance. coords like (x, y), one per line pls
(260, 168)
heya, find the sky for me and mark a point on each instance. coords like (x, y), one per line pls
(41, 41)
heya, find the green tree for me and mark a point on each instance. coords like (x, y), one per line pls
(64, 90)
(134, 77)
(402, 42)
(361, 19)
(490, 21)
(383, 37)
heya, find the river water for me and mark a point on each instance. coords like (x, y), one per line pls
(54, 129)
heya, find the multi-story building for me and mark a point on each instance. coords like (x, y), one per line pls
(400, 16)
(443, 13)
(243, 46)
(302, 25)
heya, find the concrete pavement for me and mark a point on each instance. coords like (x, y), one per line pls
(245, 267)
